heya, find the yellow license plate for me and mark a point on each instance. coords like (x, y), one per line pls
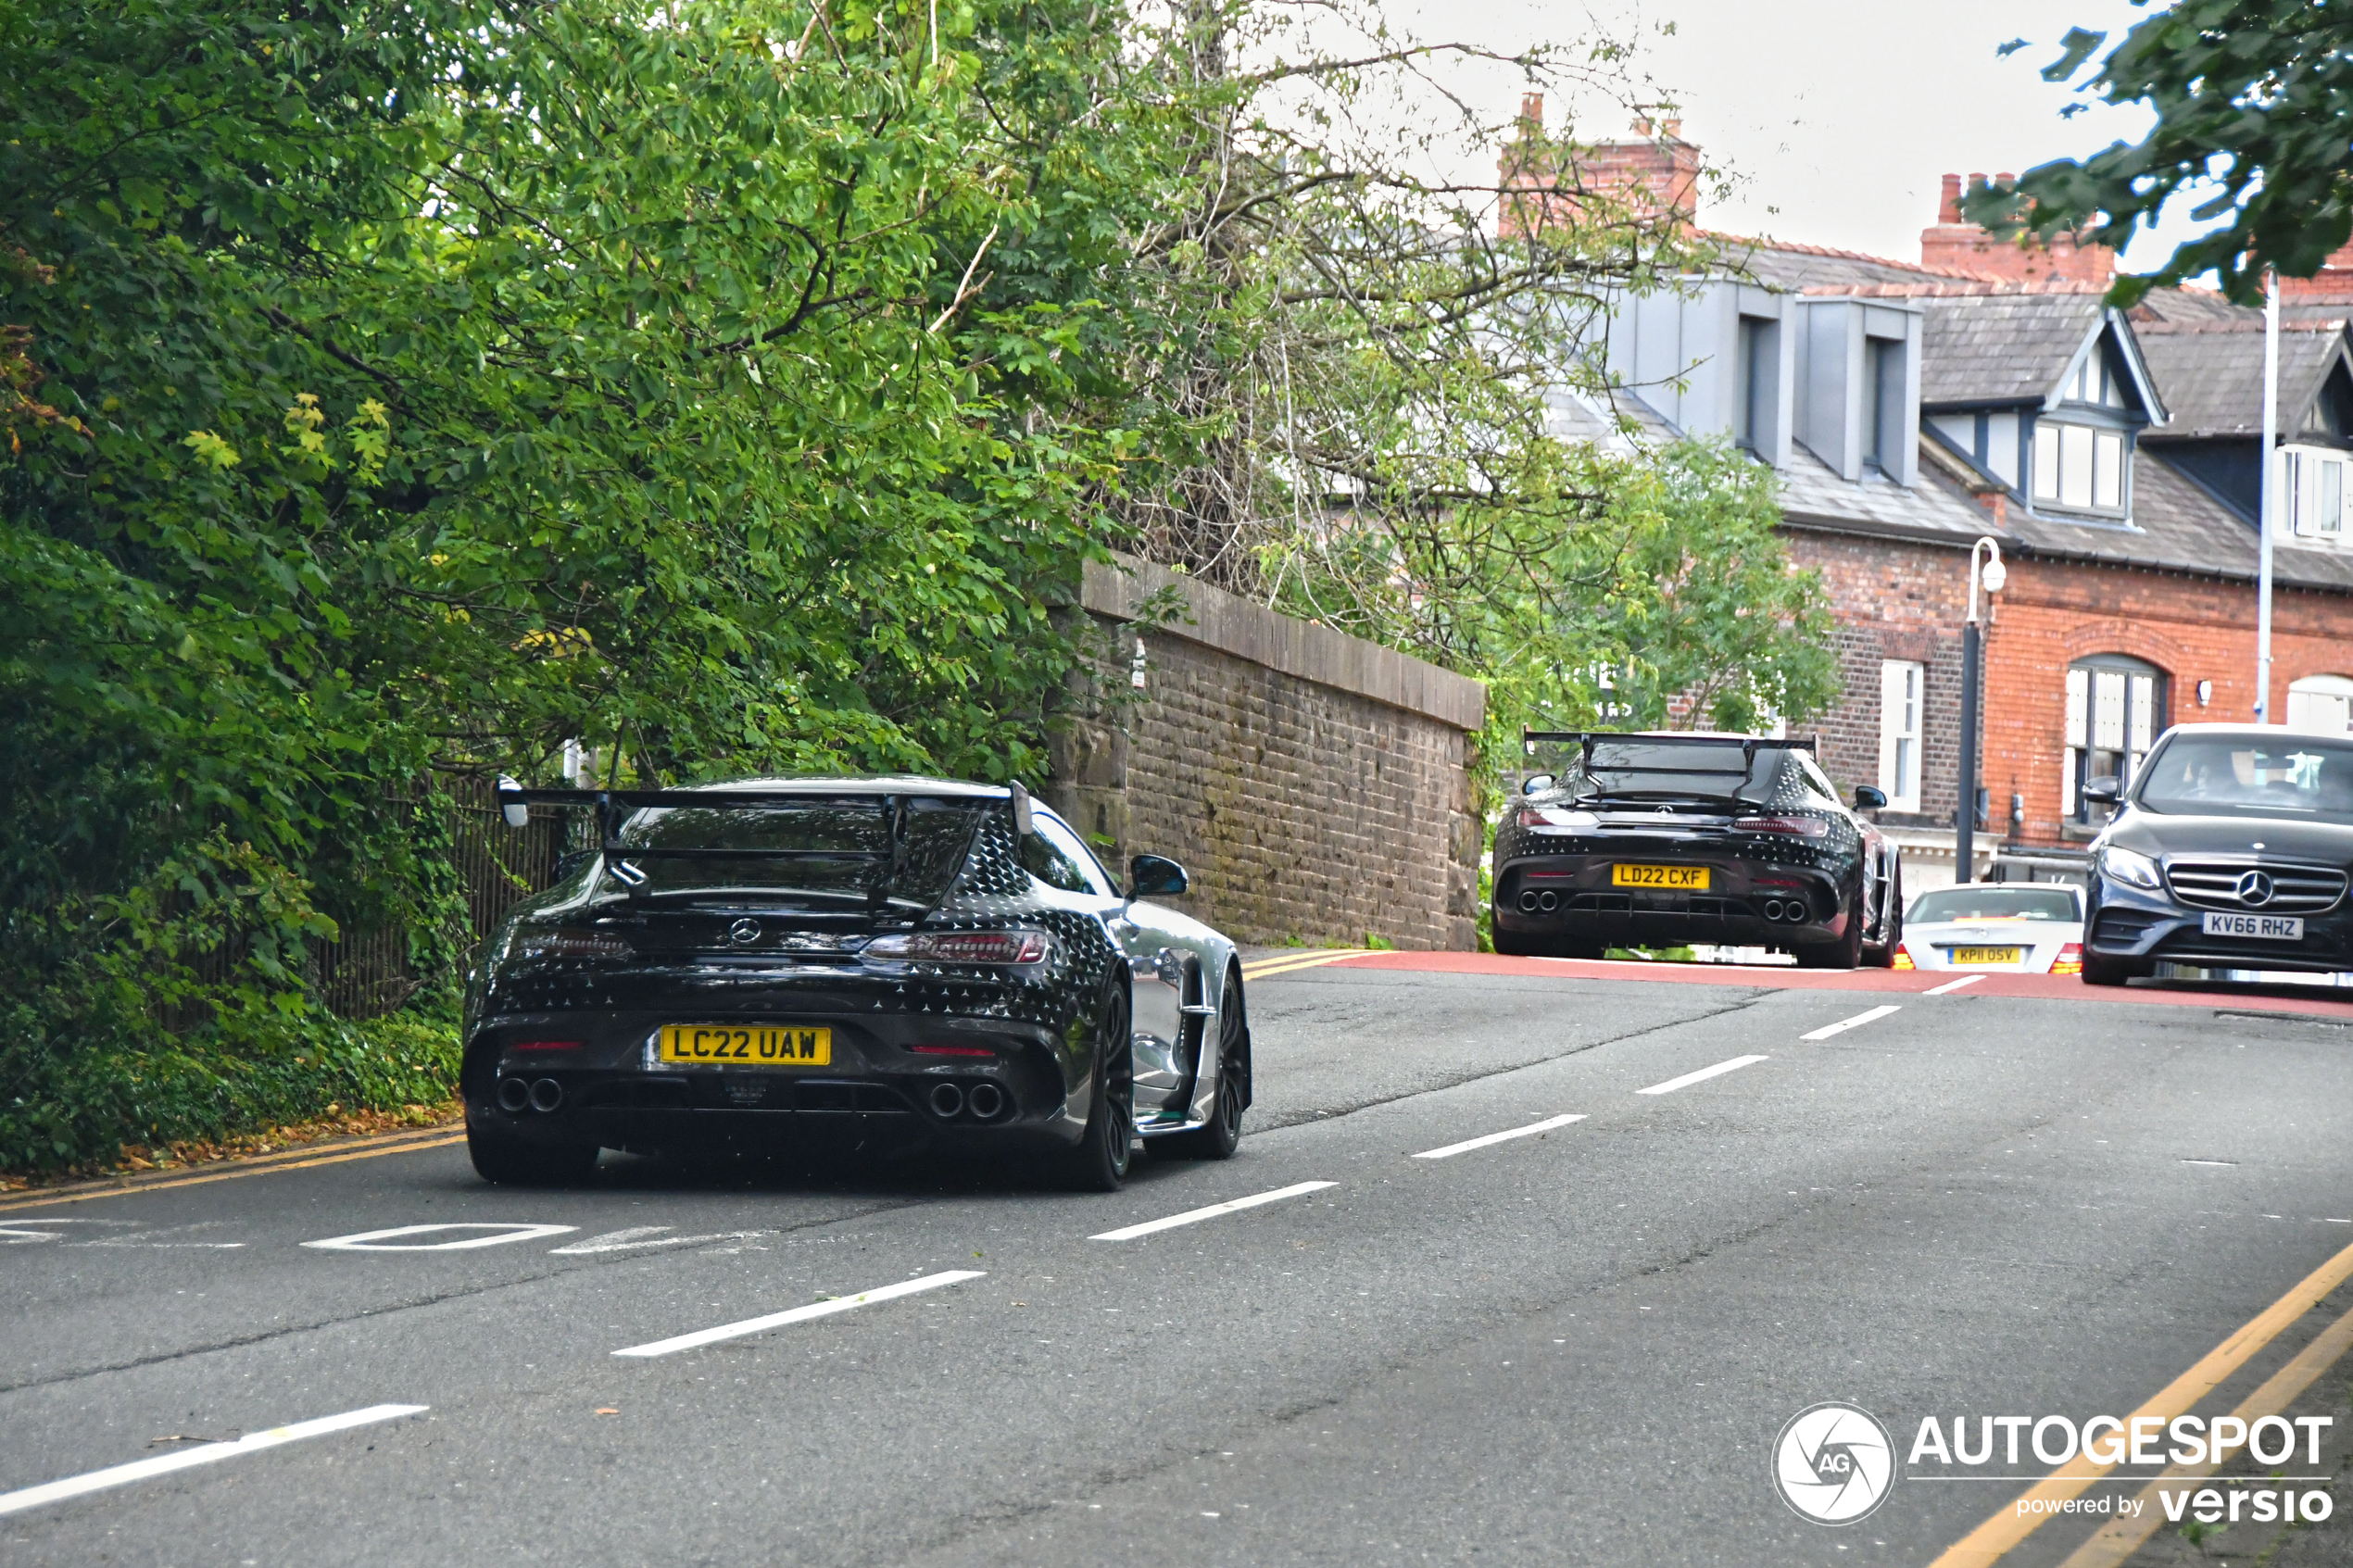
(1681, 878)
(1988, 955)
(729, 1045)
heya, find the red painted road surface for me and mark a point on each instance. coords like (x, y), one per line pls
(2316, 1000)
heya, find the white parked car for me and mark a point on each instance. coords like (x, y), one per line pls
(2024, 927)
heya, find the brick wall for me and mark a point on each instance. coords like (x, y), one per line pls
(1316, 786)
(1892, 600)
(2052, 613)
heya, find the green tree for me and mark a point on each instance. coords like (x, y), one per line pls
(2251, 100)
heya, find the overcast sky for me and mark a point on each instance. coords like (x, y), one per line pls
(1839, 115)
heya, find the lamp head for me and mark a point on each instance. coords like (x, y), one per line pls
(1995, 575)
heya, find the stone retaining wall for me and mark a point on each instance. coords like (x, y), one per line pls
(1315, 784)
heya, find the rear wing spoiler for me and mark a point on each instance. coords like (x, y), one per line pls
(612, 805)
(1748, 746)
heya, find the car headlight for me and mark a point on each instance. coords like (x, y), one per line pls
(2132, 868)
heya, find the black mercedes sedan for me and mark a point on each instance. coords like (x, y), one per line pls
(2229, 849)
(1663, 839)
(781, 963)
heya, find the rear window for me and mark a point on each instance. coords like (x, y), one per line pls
(1995, 903)
(838, 848)
(2230, 776)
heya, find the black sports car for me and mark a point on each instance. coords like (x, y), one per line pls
(767, 962)
(2230, 851)
(1657, 840)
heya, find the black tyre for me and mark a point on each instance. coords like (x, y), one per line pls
(1099, 1163)
(1224, 1133)
(1882, 955)
(2098, 970)
(502, 1158)
(1844, 953)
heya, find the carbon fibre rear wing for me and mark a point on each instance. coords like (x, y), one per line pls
(613, 806)
(1749, 746)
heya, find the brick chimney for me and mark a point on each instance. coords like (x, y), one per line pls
(2331, 283)
(1954, 244)
(1656, 177)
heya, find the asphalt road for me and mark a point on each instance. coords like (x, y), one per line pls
(1573, 1347)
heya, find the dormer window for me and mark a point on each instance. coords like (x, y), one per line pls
(2316, 494)
(2077, 468)
(2095, 381)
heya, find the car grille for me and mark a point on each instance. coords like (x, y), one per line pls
(2241, 884)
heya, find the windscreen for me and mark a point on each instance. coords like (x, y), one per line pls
(2232, 776)
(1995, 903)
(841, 848)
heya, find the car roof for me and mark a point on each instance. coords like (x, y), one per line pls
(858, 784)
(2249, 732)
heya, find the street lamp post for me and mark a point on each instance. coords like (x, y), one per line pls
(1984, 569)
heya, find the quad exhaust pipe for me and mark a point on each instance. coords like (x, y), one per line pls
(985, 1101)
(1533, 902)
(1794, 911)
(947, 1099)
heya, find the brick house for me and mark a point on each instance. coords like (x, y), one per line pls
(1910, 409)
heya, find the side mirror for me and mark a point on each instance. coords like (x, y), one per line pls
(2104, 791)
(1538, 783)
(1156, 876)
(1869, 798)
(510, 803)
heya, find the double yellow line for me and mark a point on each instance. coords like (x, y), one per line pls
(1288, 963)
(1998, 1536)
(370, 1147)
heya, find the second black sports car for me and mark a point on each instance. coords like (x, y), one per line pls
(1658, 840)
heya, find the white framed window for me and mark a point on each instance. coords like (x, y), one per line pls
(2115, 709)
(2316, 495)
(1902, 684)
(2321, 705)
(2079, 467)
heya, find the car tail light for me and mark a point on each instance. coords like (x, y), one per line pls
(950, 1050)
(966, 947)
(2071, 960)
(1551, 818)
(1903, 958)
(545, 1046)
(1799, 827)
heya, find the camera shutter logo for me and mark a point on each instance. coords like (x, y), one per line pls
(1833, 1463)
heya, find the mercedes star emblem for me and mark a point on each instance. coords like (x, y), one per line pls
(744, 932)
(2255, 889)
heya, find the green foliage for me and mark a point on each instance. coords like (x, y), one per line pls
(2250, 98)
(401, 392)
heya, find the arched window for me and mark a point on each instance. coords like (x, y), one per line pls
(2321, 705)
(2114, 708)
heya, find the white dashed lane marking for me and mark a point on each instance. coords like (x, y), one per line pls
(1952, 985)
(1193, 1216)
(1844, 1024)
(211, 1453)
(801, 1314)
(1530, 1130)
(1703, 1075)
